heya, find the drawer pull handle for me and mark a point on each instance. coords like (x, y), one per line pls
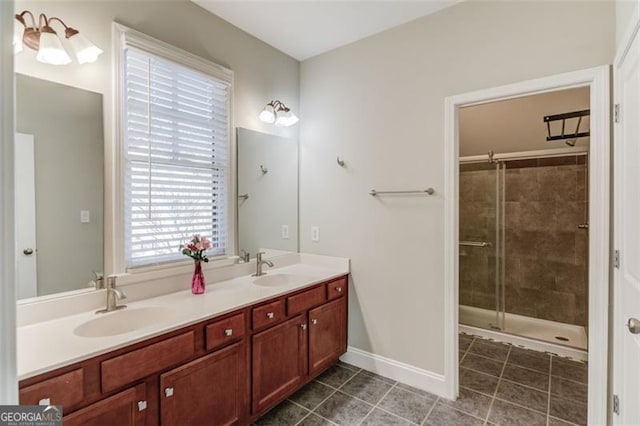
(142, 405)
(168, 392)
(45, 401)
(339, 289)
(303, 326)
(228, 332)
(314, 321)
(270, 315)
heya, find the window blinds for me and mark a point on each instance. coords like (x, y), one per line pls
(176, 158)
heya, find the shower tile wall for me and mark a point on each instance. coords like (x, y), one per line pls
(546, 252)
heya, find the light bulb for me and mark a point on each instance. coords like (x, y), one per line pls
(85, 51)
(267, 115)
(51, 50)
(18, 31)
(286, 119)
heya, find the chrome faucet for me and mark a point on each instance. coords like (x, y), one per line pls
(113, 295)
(259, 263)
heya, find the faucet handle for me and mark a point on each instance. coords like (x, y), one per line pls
(259, 256)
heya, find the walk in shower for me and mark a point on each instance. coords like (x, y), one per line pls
(523, 265)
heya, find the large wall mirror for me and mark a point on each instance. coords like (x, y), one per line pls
(60, 189)
(59, 178)
(267, 192)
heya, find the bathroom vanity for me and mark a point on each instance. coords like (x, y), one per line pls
(227, 368)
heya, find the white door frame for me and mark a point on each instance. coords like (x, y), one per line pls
(597, 79)
(618, 320)
(8, 367)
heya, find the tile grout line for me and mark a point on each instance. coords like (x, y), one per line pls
(374, 407)
(424, 421)
(486, 419)
(549, 390)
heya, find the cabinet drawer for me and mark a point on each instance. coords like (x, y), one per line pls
(306, 300)
(124, 369)
(267, 314)
(225, 331)
(337, 288)
(66, 390)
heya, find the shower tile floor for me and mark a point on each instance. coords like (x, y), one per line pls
(500, 384)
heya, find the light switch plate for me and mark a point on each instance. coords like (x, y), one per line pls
(315, 234)
(285, 232)
(85, 216)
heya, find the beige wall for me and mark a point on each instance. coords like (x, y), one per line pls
(261, 73)
(378, 103)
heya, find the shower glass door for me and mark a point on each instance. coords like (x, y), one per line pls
(481, 251)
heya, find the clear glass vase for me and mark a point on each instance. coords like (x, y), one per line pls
(197, 282)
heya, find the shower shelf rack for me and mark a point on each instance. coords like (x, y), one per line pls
(564, 117)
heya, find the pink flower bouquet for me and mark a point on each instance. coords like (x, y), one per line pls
(196, 247)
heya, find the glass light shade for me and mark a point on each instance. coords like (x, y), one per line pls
(85, 51)
(18, 31)
(51, 50)
(267, 115)
(286, 119)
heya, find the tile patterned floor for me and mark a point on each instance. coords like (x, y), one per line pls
(499, 385)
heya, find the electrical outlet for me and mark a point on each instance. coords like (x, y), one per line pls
(285, 232)
(315, 233)
(85, 216)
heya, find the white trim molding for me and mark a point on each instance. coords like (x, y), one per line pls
(597, 79)
(8, 357)
(396, 370)
(122, 37)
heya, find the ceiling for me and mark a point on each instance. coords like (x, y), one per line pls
(516, 125)
(306, 28)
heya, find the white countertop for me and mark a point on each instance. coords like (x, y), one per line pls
(45, 346)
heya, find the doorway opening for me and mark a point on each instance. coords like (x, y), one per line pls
(523, 220)
(517, 304)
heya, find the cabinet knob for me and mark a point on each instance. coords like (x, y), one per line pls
(228, 332)
(45, 401)
(339, 289)
(142, 405)
(168, 392)
(314, 321)
(303, 326)
(270, 315)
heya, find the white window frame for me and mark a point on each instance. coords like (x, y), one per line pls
(123, 37)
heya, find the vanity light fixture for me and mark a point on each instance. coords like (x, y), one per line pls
(277, 113)
(45, 40)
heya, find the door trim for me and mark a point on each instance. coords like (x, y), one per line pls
(8, 363)
(617, 319)
(597, 79)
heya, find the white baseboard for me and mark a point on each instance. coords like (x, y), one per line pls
(396, 370)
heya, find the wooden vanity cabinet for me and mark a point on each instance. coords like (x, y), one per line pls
(279, 362)
(208, 391)
(227, 370)
(327, 334)
(123, 409)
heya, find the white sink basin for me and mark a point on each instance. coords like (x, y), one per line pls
(123, 321)
(277, 280)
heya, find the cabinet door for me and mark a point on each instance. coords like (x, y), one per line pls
(327, 334)
(279, 362)
(127, 408)
(211, 390)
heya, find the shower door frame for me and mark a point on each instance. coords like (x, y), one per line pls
(597, 79)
